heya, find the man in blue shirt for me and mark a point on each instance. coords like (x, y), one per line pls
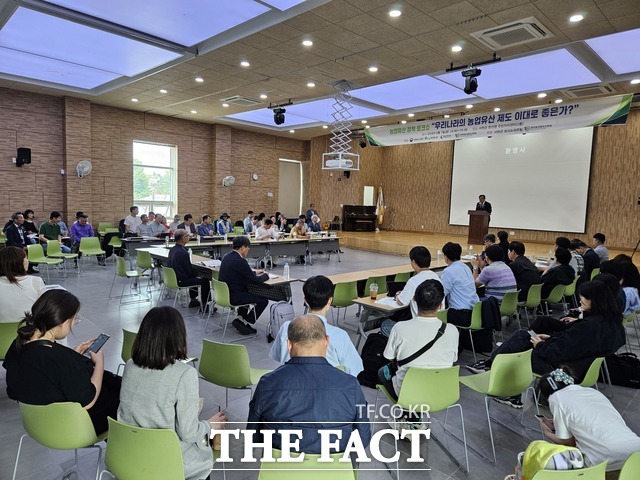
(307, 389)
(459, 286)
(205, 229)
(248, 222)
(318, 295)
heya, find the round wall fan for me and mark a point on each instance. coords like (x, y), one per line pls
(84, 168)
(228, 181)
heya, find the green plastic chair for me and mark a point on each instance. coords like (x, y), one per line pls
(90, 247)
(60, 426)
(128, 337)
(380, 281)
(442, 315)
(237, 372)
(222, 298)
(135, 453)
(35, 254)
(111, 230)
(631, 320)
(509, 305)
(145, 263)
(570, 292)
(556, 296)
(631, 468)
(54, 251)
(131, 275)
(8, 333)
(308, 469)
(476, 324)
(534, 297)
(171, 283)
(594, 272)
(590, 379)
(402, 277)
(596, 472)
(343, 296)
(102, 226)
(238, 230)
(116, 244)
(510, 375)
(437, 388)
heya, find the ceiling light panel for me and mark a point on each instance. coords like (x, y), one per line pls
(534, 73)
(410, 92)
(618, 50)
(185, 23)
(55, 39)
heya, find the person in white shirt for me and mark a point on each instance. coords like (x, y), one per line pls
(599, 248)
(267, 232)
(584, 418)
(131, 222)
(420, 258)
(174, 225)
(144, 229)
(18, 291)
(318, 295)
(409, 337)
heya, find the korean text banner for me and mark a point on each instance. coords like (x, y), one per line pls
(601, 111)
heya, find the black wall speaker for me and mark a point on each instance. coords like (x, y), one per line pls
(347, 173)
(24, 156)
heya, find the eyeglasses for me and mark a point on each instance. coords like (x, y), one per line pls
(76, 320)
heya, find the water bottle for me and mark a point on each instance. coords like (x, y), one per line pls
(190, 255)
(550, 256)
(166, 241)
(225, 238)
(286, 271)
(197, 239)
(439, 256)
(470, 249)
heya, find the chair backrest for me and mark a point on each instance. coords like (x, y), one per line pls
(344, 293)
(116, 242)
(631, 468)
(380, 281)
(170, 278)
(534, 296)
(236, 372)
(402, 277)
(135, 453)
(111, 230)
(308, 469)
(143, 260)
(437, 388)
(238, 230)
(89, 243)
(53, 247)
(571, 288)
(594, 272)
(7, 336)
(63, 426)
(442, 315)
(556, 294)
(476, 317)
(121, 267)
(103, 225)
(510, 375)
(509, 303)
(591, 377)
(596, 472)
(35, 253)
(221, 293)
(127, 344)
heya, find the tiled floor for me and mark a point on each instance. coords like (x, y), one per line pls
(101, 315)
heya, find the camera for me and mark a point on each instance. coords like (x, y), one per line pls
(471, 72)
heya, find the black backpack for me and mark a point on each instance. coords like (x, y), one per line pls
(372, 359)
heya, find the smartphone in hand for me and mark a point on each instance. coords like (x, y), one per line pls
(97, 344)
(532, 334)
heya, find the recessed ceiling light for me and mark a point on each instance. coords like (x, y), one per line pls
(263, 96)
(411, 115)
(576, 18)
(468, 107)
(395, 13)
(497, 109)
(363, 121)
(134, 100)
(199, 79)
(163, 90)
(635, 81)
(292, 131)
(456, 48)
(194, 111)
(311, 84)
(558, 100)
(447, 116)
(225, 105)
(325, 126)
(542, 95)
(403, 122)
(307, 43)
(373, 69)
(244, 63)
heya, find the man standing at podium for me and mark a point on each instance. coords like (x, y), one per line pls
(483, 205)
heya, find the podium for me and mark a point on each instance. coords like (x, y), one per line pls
(478, 226)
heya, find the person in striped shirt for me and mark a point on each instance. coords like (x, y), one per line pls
(496, 276)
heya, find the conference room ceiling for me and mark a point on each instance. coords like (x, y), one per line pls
(114, 52)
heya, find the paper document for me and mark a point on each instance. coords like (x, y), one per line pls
(211, 263)
(387, 301)
(271, 275)
(468, 257)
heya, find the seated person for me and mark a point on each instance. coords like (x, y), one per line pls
(614, 269)
(318, 295)
(179, 260)
(409, 337)
(496, 277)
(314, 224)
(224, 225)
(30, 225)
(300, 230)
(589, 257)
(267, 232)
(144, 229)
(630, 285)
(309, 389)
(173, 226)
(41, 371)
(157, 228)
(160, 391)
(561, 274)
(237, 274)
(132, 221)
(584, 418)
(579, 261)
(206, 229)
(16, 233)
(525, 272)
(503, 236)
(459, 287)
(563, 242)
(80, 229)
(247, 223)
(599, 248)
(598, 334)
(282, 224)
(420, 259)
(188, 225)
(18, 291)
(51, 231)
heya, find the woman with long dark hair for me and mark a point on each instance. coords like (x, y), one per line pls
(160, 391)
(18, 291)
(40, 371)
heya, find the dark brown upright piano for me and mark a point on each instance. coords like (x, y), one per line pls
(358, 218)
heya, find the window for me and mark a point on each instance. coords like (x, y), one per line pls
(154, 178)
